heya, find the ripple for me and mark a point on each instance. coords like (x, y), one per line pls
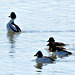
(37, 31)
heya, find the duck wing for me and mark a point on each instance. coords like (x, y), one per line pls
(59, 44)
(15, 28)
(49, 58)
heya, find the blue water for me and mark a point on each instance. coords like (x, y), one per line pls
(38, 20)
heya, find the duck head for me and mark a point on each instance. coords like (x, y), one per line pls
(51, 39)
(50, 44)
(12, 15)
(39, 54)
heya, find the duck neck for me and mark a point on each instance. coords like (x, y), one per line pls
(54, 48)
(40, 56)
(11, 21)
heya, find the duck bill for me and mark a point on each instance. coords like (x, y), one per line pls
(48, 41)
(35, 55)
(47, 44)
(9, 16)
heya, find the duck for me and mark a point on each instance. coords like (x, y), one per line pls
(58, 51)
(11, 26)
(50, 44)
(43, 59)
(56, 43)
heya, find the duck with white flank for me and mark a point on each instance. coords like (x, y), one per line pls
(58, 51)
(11, 26)
(43, 59)
(56, 43)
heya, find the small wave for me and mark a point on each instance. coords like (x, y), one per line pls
(34, 31)
(46, 31)
(65, 60)
(70, 31)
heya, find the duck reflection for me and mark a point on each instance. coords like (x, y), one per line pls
(12, 40)
(39, 65)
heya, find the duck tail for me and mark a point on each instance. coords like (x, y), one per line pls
(52, 59)
(69, 53)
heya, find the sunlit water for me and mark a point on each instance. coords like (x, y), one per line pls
(39, 20)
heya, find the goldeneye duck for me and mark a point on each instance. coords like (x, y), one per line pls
(56, 43)
(11, 26)
(58, 51)
(43, 59)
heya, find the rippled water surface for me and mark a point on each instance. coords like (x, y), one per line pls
(38, 20)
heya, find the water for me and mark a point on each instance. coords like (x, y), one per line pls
(39, 20)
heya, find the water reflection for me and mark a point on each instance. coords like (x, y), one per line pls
(12, 40)
(39, 65)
